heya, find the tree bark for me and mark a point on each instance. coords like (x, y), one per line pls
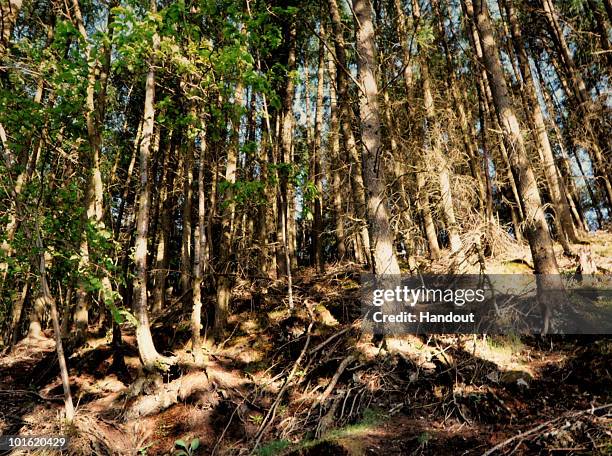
(224, 282)
(317, 229)
(187, 209)
(346, 118)
(162, 248)
(198, 258)
(286, 157)
(384, 260)
(536, 230)
(567, 232)
(336, 163)
(150, 358)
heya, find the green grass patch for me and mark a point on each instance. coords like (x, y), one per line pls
(370, 419)
(509, 343)
(273, 448)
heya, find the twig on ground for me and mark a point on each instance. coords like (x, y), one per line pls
(542, 426)
(272, 411)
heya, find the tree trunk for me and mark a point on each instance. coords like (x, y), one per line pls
(198, 258)
(150, 358)
(425, 209)
(317, 228)
(224, 282)
(567, 233)
(536, 230)
(346, 118)
(336, 161)
(163, 209)
(286, 156)
(384, 260)
(187, 209)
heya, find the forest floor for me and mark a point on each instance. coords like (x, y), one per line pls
(438, 395)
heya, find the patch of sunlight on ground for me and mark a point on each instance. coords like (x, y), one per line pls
(278, 315)
(349, 435)
(507, 352)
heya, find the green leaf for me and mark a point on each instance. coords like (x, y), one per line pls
(195, 444)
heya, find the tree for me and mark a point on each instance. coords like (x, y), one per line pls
(536, 229)
(151, 359)
(384, 260)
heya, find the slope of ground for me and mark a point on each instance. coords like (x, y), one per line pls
(308, 383)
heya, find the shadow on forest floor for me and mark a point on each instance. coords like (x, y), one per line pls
(439, 395)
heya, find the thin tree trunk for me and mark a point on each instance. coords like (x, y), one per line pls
(161, 254)
(317, 230)
(198, 258)
(346, 118)
(425, 209)
(187, 209)
(150, 358)
(567, 233)
(286, 139)
(336, 161)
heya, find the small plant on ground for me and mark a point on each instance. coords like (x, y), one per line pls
(184, 449)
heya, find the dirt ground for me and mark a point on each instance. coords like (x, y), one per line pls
(349, 395)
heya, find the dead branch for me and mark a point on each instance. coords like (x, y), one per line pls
(542, 426)
(272, 411)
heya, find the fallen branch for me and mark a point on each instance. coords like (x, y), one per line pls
(542, 426)
(272, 410)
(328, 340)
(345, 362)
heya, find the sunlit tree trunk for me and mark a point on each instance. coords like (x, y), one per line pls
(286, 158)
(187, 209)
(536, 230)
(224, 282)
(149, 356)
(557, 191)
(384, 260)
(198, 256)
